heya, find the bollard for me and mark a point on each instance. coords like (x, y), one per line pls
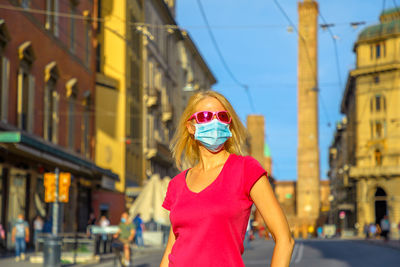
(52, 252)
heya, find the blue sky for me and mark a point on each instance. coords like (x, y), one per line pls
(259, 50)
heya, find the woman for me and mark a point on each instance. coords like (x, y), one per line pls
(210, 202)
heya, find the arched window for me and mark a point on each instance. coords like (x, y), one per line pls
(26, 87)
(86, 122)
(51, 99)
(4, 72)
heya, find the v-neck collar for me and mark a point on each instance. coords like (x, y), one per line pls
(212, 183)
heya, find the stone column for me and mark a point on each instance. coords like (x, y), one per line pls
(308, 181)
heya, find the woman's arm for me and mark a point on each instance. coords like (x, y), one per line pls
(170, 243)
(266, 202)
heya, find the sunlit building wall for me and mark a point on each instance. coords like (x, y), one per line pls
(370, 103)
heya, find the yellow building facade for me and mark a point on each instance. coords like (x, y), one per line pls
(371, 105)
(111, 89)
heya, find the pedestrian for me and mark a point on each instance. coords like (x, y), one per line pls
(139, 227)
(385, 226)
(247, 236)
(398, 228)
(210, 202)
(372, 230)
(378, 231)
(125, 234)
(320, 232)
(91, 221)
(38, 224)
(2, 239)
(48, 225)
(366, 230)
(20, 236)
(104, 223)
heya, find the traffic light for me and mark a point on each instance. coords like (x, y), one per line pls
(50, 187)
(63, 185)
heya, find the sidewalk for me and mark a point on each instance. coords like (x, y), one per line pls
(9, 261)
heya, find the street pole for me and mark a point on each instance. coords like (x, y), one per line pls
(52, 245)
(56, 206)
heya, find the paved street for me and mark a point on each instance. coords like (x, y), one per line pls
(307, 253)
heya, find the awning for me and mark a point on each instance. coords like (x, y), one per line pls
(30, 146)
(150, 199)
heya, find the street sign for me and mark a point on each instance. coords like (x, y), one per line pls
(63, 185)
(50, 187)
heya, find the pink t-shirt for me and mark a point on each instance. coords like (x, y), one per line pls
(210, 226)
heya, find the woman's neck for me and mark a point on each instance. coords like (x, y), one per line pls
(209, 160)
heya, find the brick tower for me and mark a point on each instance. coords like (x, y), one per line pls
(308, 182)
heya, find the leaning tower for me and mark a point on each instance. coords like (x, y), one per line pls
(308, 182)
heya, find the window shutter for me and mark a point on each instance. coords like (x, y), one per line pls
(31, 103)
(56, 17)
(46, 113)
(19, 98)
(55, 117)
(4, 88)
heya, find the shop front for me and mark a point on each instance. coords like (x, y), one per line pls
(23, 161)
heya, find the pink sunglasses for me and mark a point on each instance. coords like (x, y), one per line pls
(207, 116)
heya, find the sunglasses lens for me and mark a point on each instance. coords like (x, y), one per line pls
(223, 116)
(204, 116)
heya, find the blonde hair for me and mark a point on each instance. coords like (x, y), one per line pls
(184, 147)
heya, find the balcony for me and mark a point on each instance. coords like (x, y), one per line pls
(151, 99)
(374, 172)
(160, 153)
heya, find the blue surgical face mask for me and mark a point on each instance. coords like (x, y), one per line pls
(212, 135)
(123, 220)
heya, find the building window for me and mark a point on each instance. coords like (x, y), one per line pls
(51, 16)
(378, 103)
(376, 79)
(4, 82)
(371, 50)
(88, 37)
(25, 88)
(384, 49)
(86, 125)
(98, 58)
(25, 3)
(99, 16)
(4, 72)
(378, 129)
(378, 50)
(72, 30)
(51, 99)
(372, 129)
(378, 157)
(72, 92)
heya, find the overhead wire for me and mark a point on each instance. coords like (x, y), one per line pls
(166, 26)
(221, 57)
(282, 10)
(334, 46)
